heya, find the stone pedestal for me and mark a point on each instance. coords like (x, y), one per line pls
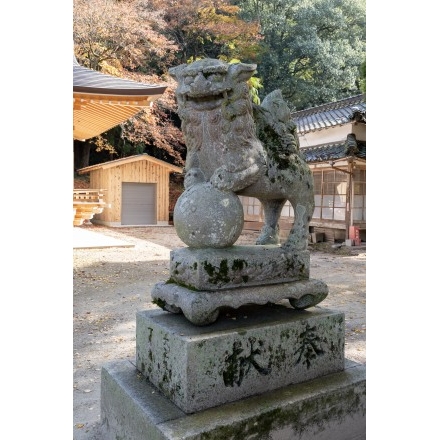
(203, 307)
(238, 357)
(202, 281)
(331, 407)
(237, 266)
(261, 349)
(259, 372)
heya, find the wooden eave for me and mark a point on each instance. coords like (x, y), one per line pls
(130, 159)
(343, 162)
(96, 114)
(100, 101)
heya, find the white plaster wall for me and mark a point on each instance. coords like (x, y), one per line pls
(360, 131)
(333, 134)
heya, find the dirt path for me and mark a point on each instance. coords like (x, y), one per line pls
(110, 285)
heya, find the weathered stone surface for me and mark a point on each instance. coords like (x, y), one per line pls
(240, 147)
(204, 216)
(201, 367)
(332, 407)
(132, 408)
(202, 307)
(237, 266)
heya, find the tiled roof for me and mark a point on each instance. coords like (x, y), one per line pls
(333, 151)
(331, 114)
(86, 80)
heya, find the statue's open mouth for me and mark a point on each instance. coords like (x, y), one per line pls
(206, 101)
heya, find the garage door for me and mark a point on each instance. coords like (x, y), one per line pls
(138, 204)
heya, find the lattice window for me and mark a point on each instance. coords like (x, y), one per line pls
(252, 208)
(330, 194)
(359, 205)
(330, 191)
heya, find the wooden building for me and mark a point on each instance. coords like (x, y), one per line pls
(137, 190)
(333, 142)
(101, 102)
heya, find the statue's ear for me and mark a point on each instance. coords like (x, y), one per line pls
(176, 72)
(241, 71)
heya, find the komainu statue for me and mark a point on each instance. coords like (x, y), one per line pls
(236, 148)
(240, 147)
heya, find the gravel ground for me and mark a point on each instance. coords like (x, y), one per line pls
(110, 285)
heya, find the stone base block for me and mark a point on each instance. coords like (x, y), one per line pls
(262, 349)
(203, 308)
(332, 407)
(237, 266)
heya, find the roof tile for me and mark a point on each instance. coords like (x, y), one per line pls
(331, 114)
(332, 151)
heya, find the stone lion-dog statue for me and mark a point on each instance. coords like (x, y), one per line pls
(251, 150)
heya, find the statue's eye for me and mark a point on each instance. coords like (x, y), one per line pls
(188, 79)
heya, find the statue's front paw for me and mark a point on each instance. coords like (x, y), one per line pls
(222, 179)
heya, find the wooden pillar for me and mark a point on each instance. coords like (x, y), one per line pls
(349, 195)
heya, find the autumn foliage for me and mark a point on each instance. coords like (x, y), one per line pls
(140, 40)
(312, 51)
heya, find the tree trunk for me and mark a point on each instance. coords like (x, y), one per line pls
(81, 154)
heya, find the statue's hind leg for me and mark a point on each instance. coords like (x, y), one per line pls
(299, 234)
(270, 232)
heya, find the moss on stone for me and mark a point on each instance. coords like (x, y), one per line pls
(298, 419)
(179, 283)
(160, 303)
(217, 275)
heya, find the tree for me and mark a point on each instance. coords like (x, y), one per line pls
(363, 77)
(312, 48)
(117, 35)
(122, 38)
(209, 29)
(155, 131)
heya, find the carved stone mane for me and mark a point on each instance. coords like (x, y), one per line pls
(217, 122)
(275, 114)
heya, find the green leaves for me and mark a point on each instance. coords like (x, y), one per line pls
(313, 48)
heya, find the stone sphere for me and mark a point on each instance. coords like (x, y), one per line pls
(207, 217)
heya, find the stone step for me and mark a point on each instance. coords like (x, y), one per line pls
(332, 407)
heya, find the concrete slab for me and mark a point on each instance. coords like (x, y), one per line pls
(85, 239)
(332, 407)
